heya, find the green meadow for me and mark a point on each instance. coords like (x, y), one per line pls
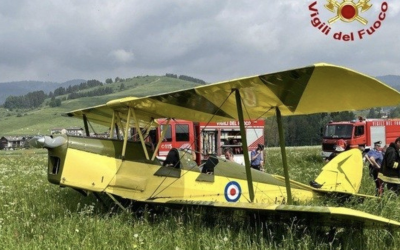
(41, 120)
(35, 214)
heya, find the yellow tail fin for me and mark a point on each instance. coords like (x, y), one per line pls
(343, 173)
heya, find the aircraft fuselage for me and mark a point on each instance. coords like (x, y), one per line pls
(96, 164)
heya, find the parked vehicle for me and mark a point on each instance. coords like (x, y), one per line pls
(359, 133)
(210, 138)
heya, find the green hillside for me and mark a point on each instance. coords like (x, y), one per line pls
(43, 119)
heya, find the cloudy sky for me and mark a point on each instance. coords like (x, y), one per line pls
(213, 40)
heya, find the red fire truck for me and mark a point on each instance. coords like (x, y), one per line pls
(209, 138)
(360, 133)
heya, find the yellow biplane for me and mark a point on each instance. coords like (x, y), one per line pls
(122, 168)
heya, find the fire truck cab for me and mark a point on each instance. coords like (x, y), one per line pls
(359, 133)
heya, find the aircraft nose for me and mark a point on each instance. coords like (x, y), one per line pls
(37, 141)
(47, 141)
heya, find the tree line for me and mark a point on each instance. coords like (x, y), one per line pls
(75, 88)
(96, 92)
(395, 112)
(36, 98)
(186, 78)
(302, 129)
(30, 100)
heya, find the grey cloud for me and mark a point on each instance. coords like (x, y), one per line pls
(212, 40)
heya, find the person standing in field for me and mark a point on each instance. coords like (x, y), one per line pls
(375, 158)
(257, 158)
(390, 169)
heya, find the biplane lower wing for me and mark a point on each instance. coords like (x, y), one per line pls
(311, 215)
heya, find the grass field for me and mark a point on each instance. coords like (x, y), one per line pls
(35, 214)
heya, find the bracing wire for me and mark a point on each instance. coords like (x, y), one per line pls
(90, 124)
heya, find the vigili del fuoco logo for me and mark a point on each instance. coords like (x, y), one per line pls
(347, 20)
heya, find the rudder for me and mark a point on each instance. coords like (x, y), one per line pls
(343, 173)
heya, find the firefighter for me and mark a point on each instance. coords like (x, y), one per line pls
(390, 169)
(339, 147)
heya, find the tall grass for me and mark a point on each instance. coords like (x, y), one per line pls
(35, 214)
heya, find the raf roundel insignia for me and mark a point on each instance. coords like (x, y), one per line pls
(232, 191)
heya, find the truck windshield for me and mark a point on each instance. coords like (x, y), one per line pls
(338, 131)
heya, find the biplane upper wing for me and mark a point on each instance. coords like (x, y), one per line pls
(313, 89)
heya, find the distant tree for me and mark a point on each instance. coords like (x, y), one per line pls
(395, 113)
(191, 79)
(59, 91)
(371, 113)
(94, 83)
(95, 92)
(12, 102)
(121, 87)
(342, 116)
(117, 79)
(55, 102)
(374, 113)
(30, 100)
(73, 96)
(271, 132)
(171, 75)
(83, 86)
(303, 130)
(109, 80)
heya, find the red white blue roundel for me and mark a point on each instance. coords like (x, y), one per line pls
(232, 191)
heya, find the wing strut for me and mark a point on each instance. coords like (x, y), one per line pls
(244, 144)
(112, 125)
(128, 120)
(116, 202)
(283, 153)
(85, 123)
(138, 131)
(161, 138)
